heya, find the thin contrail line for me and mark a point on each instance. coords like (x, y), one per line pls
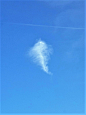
(45, 26)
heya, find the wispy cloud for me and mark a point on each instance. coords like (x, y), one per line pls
(40, 54)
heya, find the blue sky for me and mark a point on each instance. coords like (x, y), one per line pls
(25, 87)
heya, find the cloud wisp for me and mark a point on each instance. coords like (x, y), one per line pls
(40, 54)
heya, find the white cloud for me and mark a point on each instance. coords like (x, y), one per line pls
(40, 53)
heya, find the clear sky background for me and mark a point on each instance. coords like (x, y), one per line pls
(25, 88)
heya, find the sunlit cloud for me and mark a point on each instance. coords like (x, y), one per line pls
(40, 53)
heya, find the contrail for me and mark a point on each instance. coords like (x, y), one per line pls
(45, 26)
(40, 53)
